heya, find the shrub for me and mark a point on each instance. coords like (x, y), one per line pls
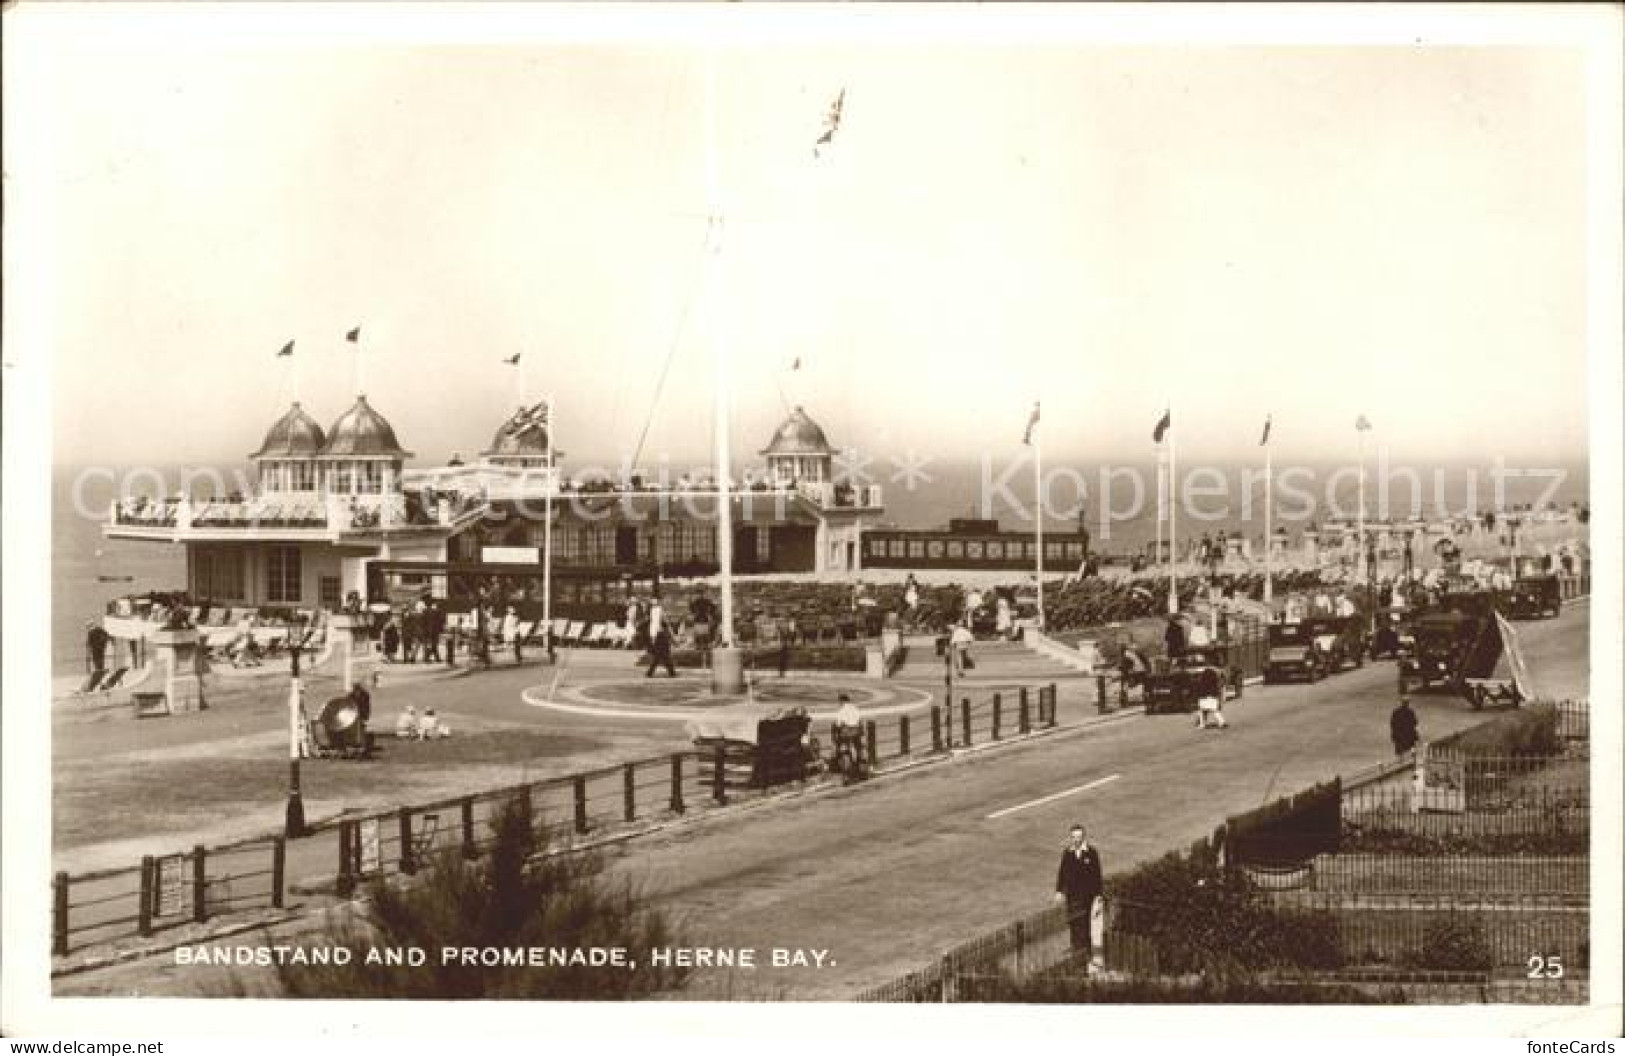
(1200, 918)
(513, 900)
(1527, 732)
(1072, 989)
(1456, 945)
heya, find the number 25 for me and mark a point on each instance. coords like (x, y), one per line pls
(1546, 967)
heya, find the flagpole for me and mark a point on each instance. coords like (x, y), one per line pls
(727, 674)
(1162, 490)
(1269, 537)
(547, 529)
(1038, 501)
(1359, 513)
(1173, 515)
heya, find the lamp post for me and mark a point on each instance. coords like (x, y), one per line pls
(294, 826)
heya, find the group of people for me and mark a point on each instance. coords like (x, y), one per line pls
(415, 632)
(410, 726)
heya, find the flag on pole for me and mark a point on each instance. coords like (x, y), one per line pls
(796, 365)
(1163, 425)
(354, 336)
(832, 124)
(1362, 424)
(1032, 423)
(513, 360)
(287, 350)
(1266, 437)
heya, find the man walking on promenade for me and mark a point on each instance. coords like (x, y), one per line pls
(659, 642)
(1402, 727)
(1078, 884)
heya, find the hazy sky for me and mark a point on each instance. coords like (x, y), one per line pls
(1310, 232)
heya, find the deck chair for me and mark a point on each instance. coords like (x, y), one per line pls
(572, 632)
(113, 679)
(93, 680)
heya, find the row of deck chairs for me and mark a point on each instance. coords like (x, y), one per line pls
(573, 633)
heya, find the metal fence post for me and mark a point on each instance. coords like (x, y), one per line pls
(1023, 714)
(470, 848)
(719, 788)
(200, 883)
(59, 915)
(347, 858)
(143, 913)
(1100, 694)
(902, 735)
(279, 872)
(630, 789)
(1052, 719)
(936, 729)
(964, 711)
(409, 863)
(997, 704)
(871, 735)
(676, 783)
(580, 788)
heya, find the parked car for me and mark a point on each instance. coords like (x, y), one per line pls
(1178, 687)
(1294, 653)
(1533, 597)
(1393, 639)
(1341, 640)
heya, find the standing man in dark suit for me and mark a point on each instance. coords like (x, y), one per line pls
(1078, 884)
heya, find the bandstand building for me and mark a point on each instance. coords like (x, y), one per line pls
(337, 512)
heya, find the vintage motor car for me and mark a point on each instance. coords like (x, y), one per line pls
(1457, 650)
(1533, 597)
(1294, 653)
(1393, 639)
(1180, 686)
(1340, 639)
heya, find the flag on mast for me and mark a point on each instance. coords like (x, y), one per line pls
(1362, 424)
(1032, 423)
(287, 350)
(1163, 425)
(513, 360)
(832, 124)
(796, 364)
(354, 336)
(1265, 439)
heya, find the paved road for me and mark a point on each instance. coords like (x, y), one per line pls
(887, 874)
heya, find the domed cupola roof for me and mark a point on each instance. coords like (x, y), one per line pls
(522, 436)
(294, 435)
(799, 435)
(362, 432)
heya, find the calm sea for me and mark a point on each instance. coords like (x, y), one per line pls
(81, 557)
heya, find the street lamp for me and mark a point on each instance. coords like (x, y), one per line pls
(294, 826)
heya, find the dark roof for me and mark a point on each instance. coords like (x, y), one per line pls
(364, 433)
(798, 435)
(294, 435)
(519, 437)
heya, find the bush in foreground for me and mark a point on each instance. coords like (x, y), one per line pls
(512, 900)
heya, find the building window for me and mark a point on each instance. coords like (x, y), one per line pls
(282, 574)
(330, 593)
(995, 551)
(973, 551)
(217, 575)
(301, 476)
(899, 548)
(916, 548)
(956, 549)
(877, 548)
(1074, 551)
(933, 549)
